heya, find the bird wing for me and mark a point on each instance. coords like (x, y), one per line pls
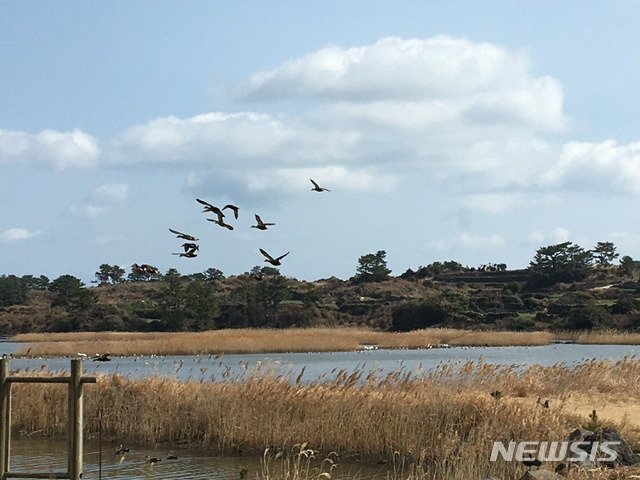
(269, 257)
(207, 204)
(259, 220)
(282, 256)
(314, 183)
(175, 231)
(232, 207)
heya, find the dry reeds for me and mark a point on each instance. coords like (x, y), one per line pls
(261, 341)
(441, 424)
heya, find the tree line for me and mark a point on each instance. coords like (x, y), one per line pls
(263, 297)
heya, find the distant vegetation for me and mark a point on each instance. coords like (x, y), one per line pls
(565, 287)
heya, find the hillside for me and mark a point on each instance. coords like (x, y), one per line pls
(495, 300)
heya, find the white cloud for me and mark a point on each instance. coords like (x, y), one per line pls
(99, 200)
(478, 80)
(440, 107)
(333, 177)
(111, 192)
(62, 150)
(597, 166)
(16, 234)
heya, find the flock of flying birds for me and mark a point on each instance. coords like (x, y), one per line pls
(191, 248)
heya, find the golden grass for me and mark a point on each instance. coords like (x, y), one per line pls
(260, 341)
(611, 337)
(439, 425)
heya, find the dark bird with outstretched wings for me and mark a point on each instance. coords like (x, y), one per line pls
(184, 236)
(318, 188)
(271, 260)
(260, 224)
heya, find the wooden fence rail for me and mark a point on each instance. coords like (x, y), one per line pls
(75, 381)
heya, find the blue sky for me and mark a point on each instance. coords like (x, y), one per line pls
(444, 130)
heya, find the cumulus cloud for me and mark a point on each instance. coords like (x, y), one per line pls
(62, 150)
(597, 166)
(476, 80)
(16, 234)
(439, 107)
(99, 200)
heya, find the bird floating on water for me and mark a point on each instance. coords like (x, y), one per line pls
(153, 460)
(261, 225)
(271, 260)
(121, 450)
(184, 236)
(102, 357)
(318, 188)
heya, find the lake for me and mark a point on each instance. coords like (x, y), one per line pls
(325, 364)
(50, 455)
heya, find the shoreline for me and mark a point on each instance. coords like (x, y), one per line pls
(341, 339)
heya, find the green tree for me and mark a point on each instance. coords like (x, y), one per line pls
(213, 274)
(372, 267)
(564, 262)
(605, 253)
(628, 265)
(33, 283)
(172, 303)
(201, 305)
(69, 293)
(13, 291)
(109, 274)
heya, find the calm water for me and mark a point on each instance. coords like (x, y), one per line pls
(51, 456)
(317, 365)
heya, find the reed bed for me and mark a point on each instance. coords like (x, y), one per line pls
(611, 337)
(440, 424)
(261, 341)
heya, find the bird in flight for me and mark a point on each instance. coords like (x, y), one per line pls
(145, 269)
(210, 208)
(220, 221)
(232, 207)
(271, 260)
(318, 188)
(188, 254)
(261, 225)
(183, 235)
(190, 247)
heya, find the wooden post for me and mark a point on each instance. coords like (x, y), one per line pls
(5, 416)
(74, 382)
(75, 402)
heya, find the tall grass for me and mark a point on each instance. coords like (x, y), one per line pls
(441, 424)
(261, 341)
